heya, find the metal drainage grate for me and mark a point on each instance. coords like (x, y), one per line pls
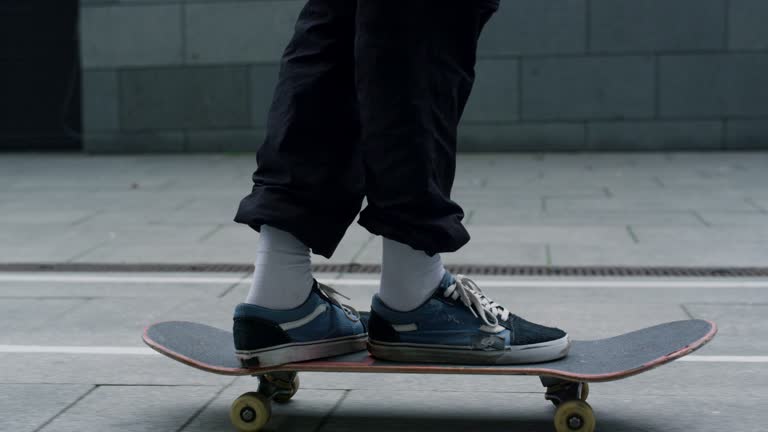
(468, 269)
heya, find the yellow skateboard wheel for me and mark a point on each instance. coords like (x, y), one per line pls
(250, 412)
(574, 416)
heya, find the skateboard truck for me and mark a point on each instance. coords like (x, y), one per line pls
(570, 398)
(560, 390)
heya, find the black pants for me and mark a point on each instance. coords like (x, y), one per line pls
(367, 104)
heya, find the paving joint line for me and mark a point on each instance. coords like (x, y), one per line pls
(687, 312)
(632, 234)
(701, 219)
(210, 233)
(333, 410)
(67, 408)
(205, 405)
(233, 286)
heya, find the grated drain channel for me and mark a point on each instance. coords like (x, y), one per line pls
(468, 269)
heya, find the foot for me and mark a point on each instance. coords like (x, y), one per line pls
(460, 324)
(321, 327)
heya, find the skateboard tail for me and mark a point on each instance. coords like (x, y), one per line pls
(159, 348)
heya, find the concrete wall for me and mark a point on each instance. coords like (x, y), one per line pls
(197, 75)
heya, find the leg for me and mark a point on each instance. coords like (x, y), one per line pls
(414, 71)
(415, 68)
(309, 180)
(307, 189)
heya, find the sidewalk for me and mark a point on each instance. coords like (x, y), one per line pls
(607, 209)
(650, 209)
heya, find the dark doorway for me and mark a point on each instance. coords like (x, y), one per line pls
(39, 75)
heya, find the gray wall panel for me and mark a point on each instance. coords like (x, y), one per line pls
(588, 88)
(657, 25)
(134, 142)
(714, 85)
(239, 31)
(100, 100)
(652, 135)
(192, 98)
(263, 81)
(526, 137)
(747, 134)
(226, 140)
(494, 97)
(523, 27)
(748, 25)
(131, 36)
(199, 75)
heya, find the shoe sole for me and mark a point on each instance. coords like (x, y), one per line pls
(301, 351)
(519, 354)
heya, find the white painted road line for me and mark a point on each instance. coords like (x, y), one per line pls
(505, 283)
(38, 349)
(586, 283)
(110, 350)
(84, 279)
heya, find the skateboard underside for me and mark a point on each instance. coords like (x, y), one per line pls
(212, 350)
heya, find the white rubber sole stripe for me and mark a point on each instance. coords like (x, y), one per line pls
(140, 351)
(509, 283)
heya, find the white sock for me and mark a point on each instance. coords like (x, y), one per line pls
(282, 275)
(408, 276)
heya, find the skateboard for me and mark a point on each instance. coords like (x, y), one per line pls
(566, 380)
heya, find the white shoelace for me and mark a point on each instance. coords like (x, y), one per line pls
(331, 295)
(473, 298)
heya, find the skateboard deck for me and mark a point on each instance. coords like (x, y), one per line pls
(212, 350)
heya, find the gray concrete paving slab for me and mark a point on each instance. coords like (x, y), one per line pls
(22, 315)
(217, 313)
(720, 235)
(49, 216)
(670, 254)
(193, 197)
(514, 235)
(140, 409)
(661, 203)
(522, 188)
(167, 209)
(575, 220)
(150, 370)
(90, 321)
(304, 413)
(56, 250)
(761, 204)
(27, 407)
(481, 251)
(741, 325)
(143, 234)
(145, 290)
(186, 252)
(460, 411)
(752, 218)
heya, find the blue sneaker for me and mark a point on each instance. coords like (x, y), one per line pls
(321, 327)
(460, 324)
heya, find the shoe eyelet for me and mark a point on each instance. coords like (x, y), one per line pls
(350, 314)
